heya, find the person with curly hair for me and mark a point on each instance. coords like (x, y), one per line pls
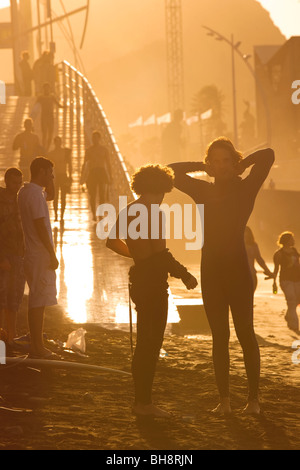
(287, 261)
(225, 274)
(148, 277)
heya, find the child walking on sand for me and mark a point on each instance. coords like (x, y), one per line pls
(286, 262)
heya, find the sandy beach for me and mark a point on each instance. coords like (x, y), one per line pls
(83, 410)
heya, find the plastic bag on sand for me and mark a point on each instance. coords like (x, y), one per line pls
(76, 340)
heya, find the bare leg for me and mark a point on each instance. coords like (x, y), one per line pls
(36, 325)
(63, 197)
(2, 316)
(11, 322)
(55, 204)
(50, 133)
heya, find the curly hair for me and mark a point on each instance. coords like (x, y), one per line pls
(284, 237)
(226, 144)
(153, 179)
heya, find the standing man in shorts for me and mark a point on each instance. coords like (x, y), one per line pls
(12, 279)
(40, 258)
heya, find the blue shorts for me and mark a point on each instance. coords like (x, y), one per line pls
(12, 285)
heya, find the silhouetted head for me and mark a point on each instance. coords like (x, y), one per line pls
(248, 236)
(46, 88)
(153, 180)
(222, 158)
(41, 170)
(28, 125)
(286, 239)
(57, 142)
(25, 55)
(13, 179)
(96, 137)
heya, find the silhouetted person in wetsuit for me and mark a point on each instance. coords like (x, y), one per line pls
(225, 274)
(148, 278)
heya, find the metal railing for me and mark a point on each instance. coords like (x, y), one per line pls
(83, 110)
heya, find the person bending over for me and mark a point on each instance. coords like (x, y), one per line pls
(148, 277)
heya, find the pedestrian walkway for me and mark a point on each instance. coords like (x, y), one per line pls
(91, 280)
(12, 116)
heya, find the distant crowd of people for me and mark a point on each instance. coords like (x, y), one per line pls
(43, 71)
(27, 251)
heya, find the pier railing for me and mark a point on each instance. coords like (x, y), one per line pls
(84, 114)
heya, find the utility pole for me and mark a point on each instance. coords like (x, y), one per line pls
(175, 54)
(244, 57)
(39, 27)
(14, 14)
(49, 16)
(235, 126)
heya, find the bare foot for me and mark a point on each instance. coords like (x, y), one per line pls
(252, 408)
(41, 354)
(223, 408)
(150, 410)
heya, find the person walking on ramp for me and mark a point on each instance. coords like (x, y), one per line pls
(153, 262)
(225, 274)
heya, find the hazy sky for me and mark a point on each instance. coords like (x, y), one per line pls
(284, 13)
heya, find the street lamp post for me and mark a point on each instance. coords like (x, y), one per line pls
(39, 27)
(244, 57)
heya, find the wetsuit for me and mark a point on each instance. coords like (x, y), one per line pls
(149, 291)
(225, 274)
